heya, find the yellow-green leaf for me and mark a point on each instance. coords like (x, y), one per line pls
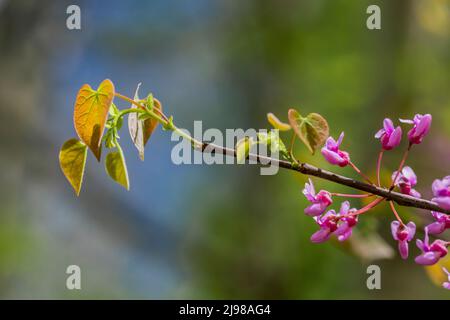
(72, 159)
(243, 149)
(277, 123)
(91, 112)
(117, 169)
(312, 130)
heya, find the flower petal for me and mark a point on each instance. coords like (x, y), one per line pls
(395, 138)
(388, 125)
(427, 259)
(424, 125)
(379, 133)
(436, 228)
(409, 174)
(443, 202)
(341, 137)
(403, 249)
(314, 209)
(331, 156)
(411, 226)
(344, 208)
(320, 236)
(394, 228)
(406, 121)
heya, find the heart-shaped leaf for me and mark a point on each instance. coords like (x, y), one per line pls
(277, 123)
(91, 112)
(72, 159)
(141, 129)
(117, 169)
(313, 130)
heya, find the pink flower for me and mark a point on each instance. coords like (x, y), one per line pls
(403, 234)
(345, 227)
(446, 284)
(431, 253)
(327, 224)
(389, 136)
(332, 153)
(340, 224)
(421, 126)
(441, 224)
(406, 180)
(441, 192)
(319, 201)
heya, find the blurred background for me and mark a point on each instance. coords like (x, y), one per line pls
(199, 231)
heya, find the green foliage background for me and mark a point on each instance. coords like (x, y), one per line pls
(222, 231)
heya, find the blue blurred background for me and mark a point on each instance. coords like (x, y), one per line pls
(198, 231)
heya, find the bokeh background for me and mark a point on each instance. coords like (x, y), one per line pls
(198, 231)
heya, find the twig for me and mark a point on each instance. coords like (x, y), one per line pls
(307, 169)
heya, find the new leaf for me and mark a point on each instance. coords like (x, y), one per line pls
(72, 159)
(91, 112)
(117, 169)
(277, 123)
(243, 149)
(312, 130)
(141, 130)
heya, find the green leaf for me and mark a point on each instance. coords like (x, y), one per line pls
(169, 125)
(276, 144)
(109, 138)
(117, 169)
(243, 149)
(72, 159)
(273, 140)
(312, 130)
(277, 123)
(113, 110)
(149, 102)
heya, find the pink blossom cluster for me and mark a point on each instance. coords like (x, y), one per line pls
(341, 223)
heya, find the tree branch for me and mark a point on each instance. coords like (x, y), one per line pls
(307, 169)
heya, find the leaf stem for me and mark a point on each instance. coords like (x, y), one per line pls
(396, 213)
(380, 157)
(162, 118)
(359, 172)
(291, 149)
(371, 205)
(400, 167)
(126, 111)
(195, 143)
